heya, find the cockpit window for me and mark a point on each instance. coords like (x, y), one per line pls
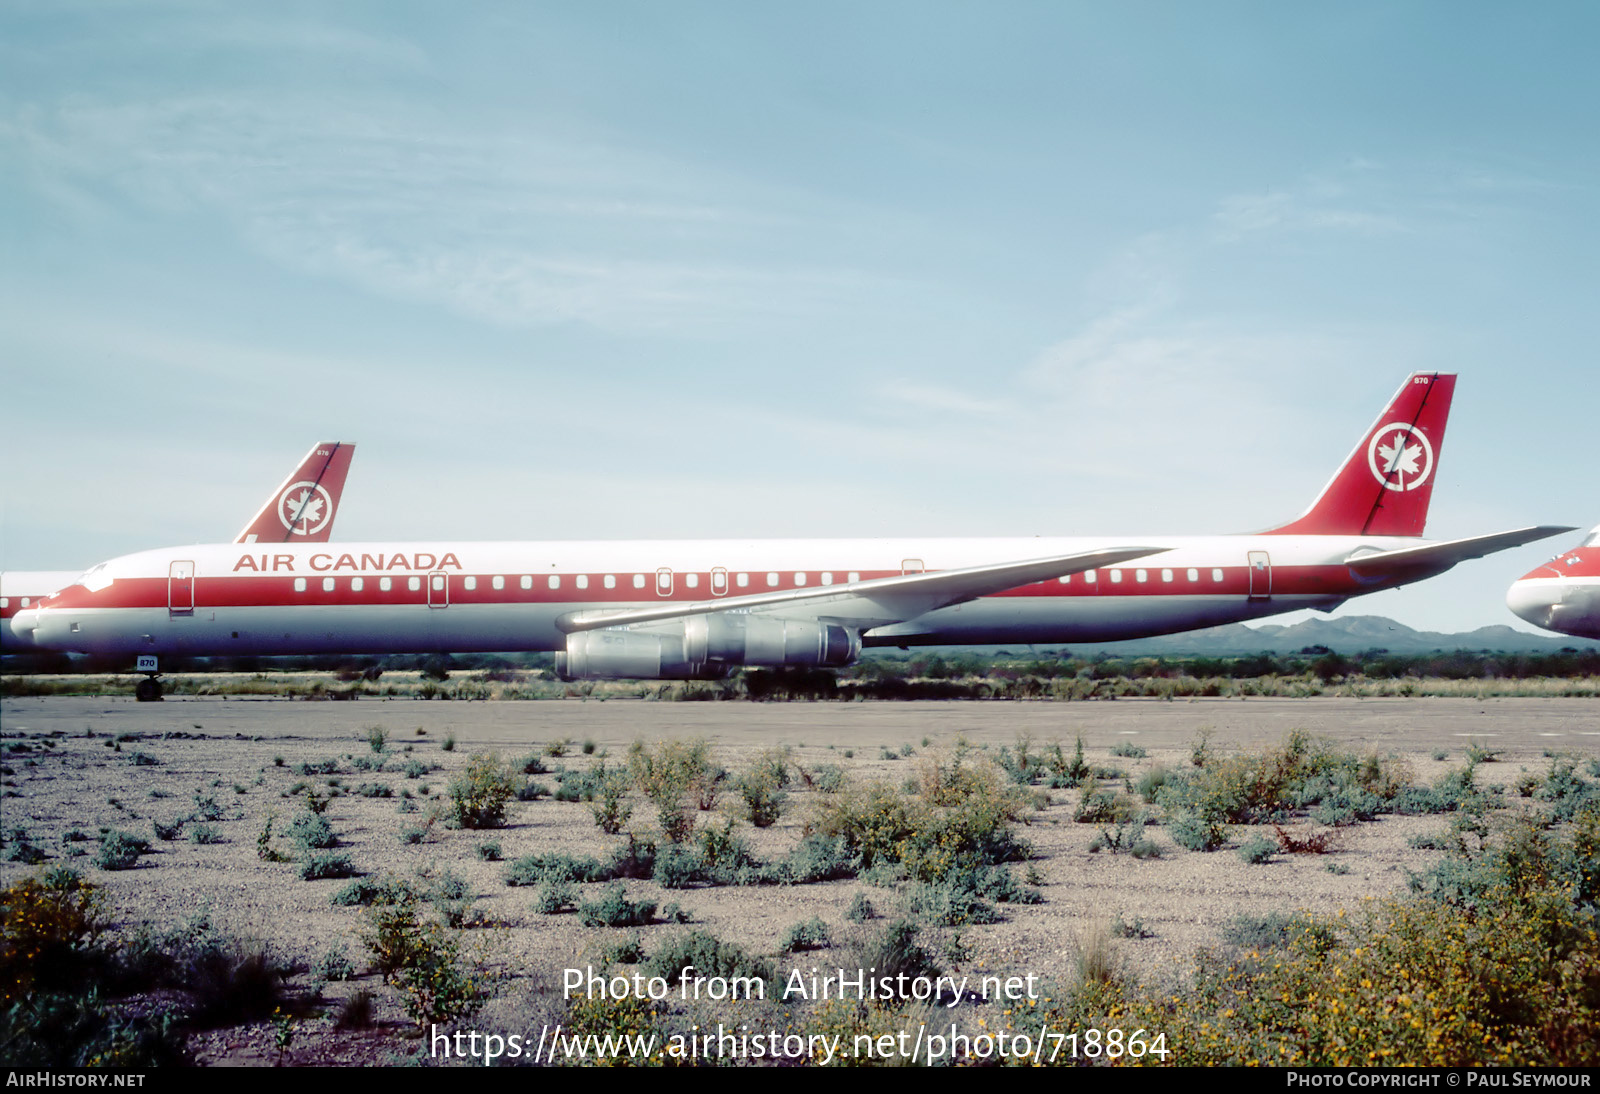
(96, 579)
(1593, 540)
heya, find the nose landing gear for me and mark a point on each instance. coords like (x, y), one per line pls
(148, 689)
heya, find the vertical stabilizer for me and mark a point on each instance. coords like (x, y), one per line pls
(1384, 488)
(302, 508)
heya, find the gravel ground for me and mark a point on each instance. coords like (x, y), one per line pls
(177, 752)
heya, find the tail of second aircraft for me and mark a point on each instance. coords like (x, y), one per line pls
(1384, 488)
(302, 508)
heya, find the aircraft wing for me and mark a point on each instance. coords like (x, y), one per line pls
(1442, 556)
(874, 603)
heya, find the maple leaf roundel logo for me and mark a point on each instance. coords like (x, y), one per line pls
(304, 508)
(1400, 457)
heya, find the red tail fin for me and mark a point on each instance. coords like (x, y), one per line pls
(1384, 488)
(302, 509)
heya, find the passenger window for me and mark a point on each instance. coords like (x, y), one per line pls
(555, 581)
(299, 584)
(583, 581)
(1166, 575)
(438, 584)
(527, 581)
(692, 580)
(1065, 579)
(1089, 577)
(385, 584)
(1194, 575)
(413, 583)
(827, 579)
(327, 584)
(772, 580)
(498, 582)
(743, 581)
(5, 602)
(1216, 575)
(799, 579)
(638, 581)
(611, 581)
(854, 577)
(357, 584)
(471, 583)
(1140, 575)
(1116, 577)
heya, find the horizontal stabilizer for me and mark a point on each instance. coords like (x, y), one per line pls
(1442, 556)
(877, 602)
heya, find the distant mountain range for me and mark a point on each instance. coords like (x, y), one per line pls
(1345, 634)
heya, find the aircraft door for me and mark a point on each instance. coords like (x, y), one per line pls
(180, 588)
(663, 582)
(438, 589)
(1260, 576)
(719, 581)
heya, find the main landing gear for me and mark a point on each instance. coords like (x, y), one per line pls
(148, 689)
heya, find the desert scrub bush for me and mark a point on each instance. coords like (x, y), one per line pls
(959, 819)
(536, 869)
(894, 952)
(377, 738)
(676, 866)
(478, 796)
(1257, 849)
(205, 834)
(610, 806)
(1493, 966)
(488, 851)
(710, 957)
(762, 793)
(374, 790)
(206, 808)
(414, 769)
(1129, 750)
(334, 966)
(423, 959)
(1126, 837)
(364, 892)
(556, 895)
(321, 867)
(120, 850)
(49, 930)
(310, 831)
(809, 935)
(316, 767)
(21, 848)
(1195, 832)
(860, 909)
(676, 776)
(614, 909)
(1101, 805)
(827, 778)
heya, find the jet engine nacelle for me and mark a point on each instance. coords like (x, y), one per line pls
(706, 647)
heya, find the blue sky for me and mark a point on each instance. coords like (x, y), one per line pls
(847, 269)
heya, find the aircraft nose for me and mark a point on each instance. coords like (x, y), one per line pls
(24, 623)
(1535, 601)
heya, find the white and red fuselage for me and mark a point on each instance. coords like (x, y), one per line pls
(1563, 594)
(458, 597)
(663, 608)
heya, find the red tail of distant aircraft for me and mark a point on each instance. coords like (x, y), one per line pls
(302, 507)
(703, 608)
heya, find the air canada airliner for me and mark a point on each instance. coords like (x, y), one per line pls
(1563, 594)
(301, 509)
(663, 609)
